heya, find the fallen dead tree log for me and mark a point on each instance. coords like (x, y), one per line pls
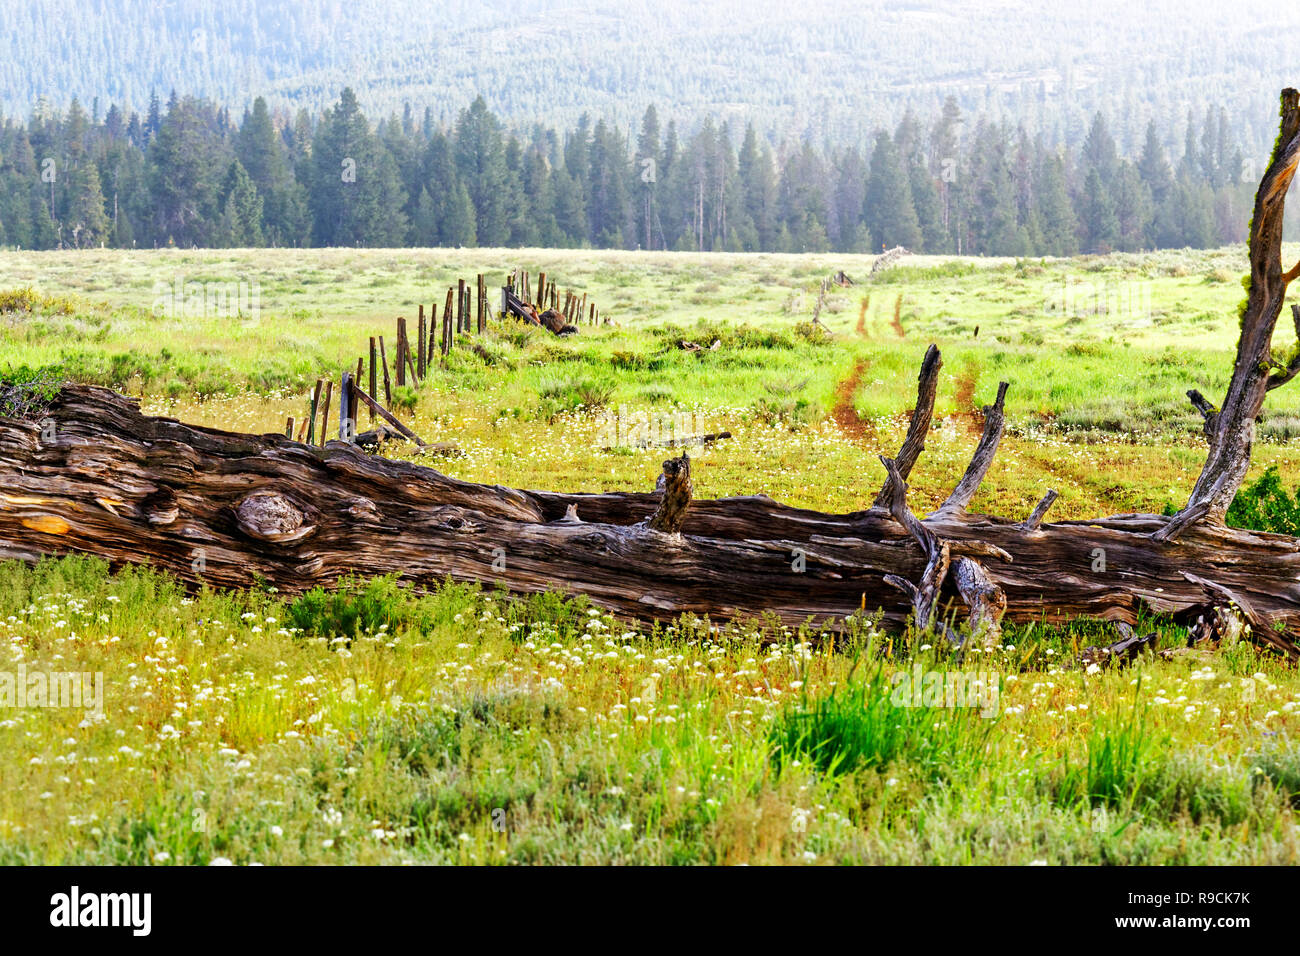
(96, 476)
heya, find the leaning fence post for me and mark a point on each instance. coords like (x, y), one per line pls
(388, 388)
(315, 404)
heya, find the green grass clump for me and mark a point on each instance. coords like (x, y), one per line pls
(1265, 505)
(866, 725)
(357, 607)
(27, 393)
(1279, 763)
(1119, 753)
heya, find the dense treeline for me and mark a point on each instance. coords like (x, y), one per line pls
(187, 174)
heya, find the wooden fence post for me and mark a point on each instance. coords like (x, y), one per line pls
(482, 305)
(374, 374)
(446, 324)
(346, 429)
(325, 412)
(356, 384)
(419, 362)
(388, 388)
(315, 404)
(400, 357)
(433, 334)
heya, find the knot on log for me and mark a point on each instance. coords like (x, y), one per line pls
(270, 516)
(159, 507)
(456, 520)
(676, 496)
(362, 509)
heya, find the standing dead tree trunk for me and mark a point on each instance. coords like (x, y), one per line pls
(1231, 429)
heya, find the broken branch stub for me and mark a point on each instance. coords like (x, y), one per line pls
(675, 496)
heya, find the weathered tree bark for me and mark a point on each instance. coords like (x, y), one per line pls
(96, 476)
(1231, 430)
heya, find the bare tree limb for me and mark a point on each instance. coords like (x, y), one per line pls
(1040, 511)
(937, 551)
(1292, 368)
(982, 459)
(926, 388)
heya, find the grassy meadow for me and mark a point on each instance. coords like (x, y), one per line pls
(463, 726)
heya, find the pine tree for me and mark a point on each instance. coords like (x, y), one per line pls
(1153, 167)
(241, 209)
(1099, 152)
(850, 172)
(1056, 216)
(608, 211)
(943, 162)
(357, 197)
(1134, 209)
(887, 209)
(647, 179)
(266, 159)
(1100, 225)
(85, 224)
(186, 159)
(990, 197)
(481, 166)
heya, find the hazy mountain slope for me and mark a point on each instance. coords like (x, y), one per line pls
(829, 67)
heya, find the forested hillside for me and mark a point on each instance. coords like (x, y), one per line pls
(832, 70)
(191, 174)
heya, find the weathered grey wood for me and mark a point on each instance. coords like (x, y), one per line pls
(374, 373)
(315, 406)
(985, 451)
(347, 414)
(927, 386)
(325, 411)
(400, 351)
(1231, 431)
(938, 552)
(985, 599)
(388, 388)
(1040, 511)
(675, 496)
